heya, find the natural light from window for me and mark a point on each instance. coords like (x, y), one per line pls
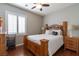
(16, 24)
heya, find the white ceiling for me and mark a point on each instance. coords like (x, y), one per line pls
(46, 10)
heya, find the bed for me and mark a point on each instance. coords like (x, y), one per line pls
(46, 44)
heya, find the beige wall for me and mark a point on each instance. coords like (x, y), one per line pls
(34, 24)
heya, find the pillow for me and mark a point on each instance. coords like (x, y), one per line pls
(54, 33)
(47, 32)
(59, 32)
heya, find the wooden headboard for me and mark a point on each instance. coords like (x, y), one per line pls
(62, 27)
(56, 26)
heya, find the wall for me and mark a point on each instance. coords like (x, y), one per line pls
(70, 14)
(34, 24)
(34, 21)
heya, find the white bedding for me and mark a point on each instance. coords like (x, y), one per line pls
(55, 42)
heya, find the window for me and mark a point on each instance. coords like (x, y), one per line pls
(16, 24)
(12, 24)
(21, 24)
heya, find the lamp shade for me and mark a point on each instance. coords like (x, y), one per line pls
(1, 21)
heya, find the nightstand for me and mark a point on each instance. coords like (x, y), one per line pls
(72, 43)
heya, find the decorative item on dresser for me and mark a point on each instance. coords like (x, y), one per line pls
(1, 24)
(72, 43)
(42, 48)
(2, 45)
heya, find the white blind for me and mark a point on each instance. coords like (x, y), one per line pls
(21, 24)
(12, 24)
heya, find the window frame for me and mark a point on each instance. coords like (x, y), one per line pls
(17, 14)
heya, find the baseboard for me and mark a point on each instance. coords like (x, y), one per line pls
(19, 44)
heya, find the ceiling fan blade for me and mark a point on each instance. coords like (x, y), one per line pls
(34, 3)
(33, 7)
(45, 5)
(41, 9)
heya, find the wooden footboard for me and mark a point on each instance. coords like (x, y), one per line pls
(39, 50)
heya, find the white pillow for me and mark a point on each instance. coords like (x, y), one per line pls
(58, 31)
(47, 32)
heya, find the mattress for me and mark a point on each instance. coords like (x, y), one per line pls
(55, 41)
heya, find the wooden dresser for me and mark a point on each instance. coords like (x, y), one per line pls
(72, 43)
(2, 45)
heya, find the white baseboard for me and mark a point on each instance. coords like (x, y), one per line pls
(19, 44)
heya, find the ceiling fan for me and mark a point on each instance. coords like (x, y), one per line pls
(39, 5)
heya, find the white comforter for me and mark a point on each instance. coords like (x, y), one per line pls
(55, 42)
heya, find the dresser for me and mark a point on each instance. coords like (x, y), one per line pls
(72, 43)
(2, 45)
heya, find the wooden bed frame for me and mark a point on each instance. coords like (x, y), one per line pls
(42, 49)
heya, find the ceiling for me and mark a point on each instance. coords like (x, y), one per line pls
(46, 10)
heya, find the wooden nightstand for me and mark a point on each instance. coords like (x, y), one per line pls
(72, 43)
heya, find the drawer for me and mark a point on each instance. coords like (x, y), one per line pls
(2, 40)
(72, 48)
(66, 41)
(71, 41)
(3, 53)
(73, 44)
(2, 47)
